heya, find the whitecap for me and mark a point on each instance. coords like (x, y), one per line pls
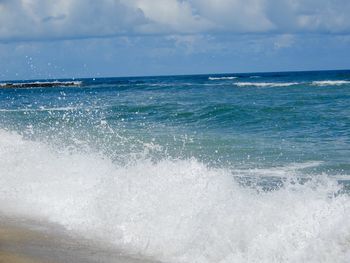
(330, 82)
(173, 210)
(266, 84)
(222, 78)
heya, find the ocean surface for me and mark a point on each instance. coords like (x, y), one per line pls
(248, 167)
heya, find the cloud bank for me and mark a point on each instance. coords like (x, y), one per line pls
(68, 19)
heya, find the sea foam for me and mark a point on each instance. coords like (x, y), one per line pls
(330, 82)
(266, 84)
(173, 210)
(222, 78)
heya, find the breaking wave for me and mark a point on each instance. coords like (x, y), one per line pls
(222, 78)
(175, 210)
(330, 82)
(266, 84)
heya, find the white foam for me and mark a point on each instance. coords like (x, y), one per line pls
(330, 82)
(266, 84)
(222, 78)
(293, 169)
(73, 82)
(174, 210)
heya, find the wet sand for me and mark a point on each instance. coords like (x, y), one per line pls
(31, 242)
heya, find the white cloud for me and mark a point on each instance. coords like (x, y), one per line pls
(235, 15)
(169, 16)
(42, 19)
(320, 16)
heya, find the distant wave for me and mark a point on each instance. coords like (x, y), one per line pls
(222, 78)
(330, 82)
(266, 84)
(40, 84)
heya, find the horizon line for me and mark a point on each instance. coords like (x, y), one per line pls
(176, 75)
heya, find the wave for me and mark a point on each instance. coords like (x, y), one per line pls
(222, 78)
(174, 210)
(40, 84)
(280, 172)
(330, 82)
(266, 84)
(42, 109)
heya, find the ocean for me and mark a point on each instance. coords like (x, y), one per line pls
(251, 167)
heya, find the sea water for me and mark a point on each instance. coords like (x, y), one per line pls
(205, 168)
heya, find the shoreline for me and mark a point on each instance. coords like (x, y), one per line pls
(25, 241)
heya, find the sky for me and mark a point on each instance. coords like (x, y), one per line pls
(42, 39)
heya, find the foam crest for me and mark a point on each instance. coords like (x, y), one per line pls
(331, 82)
(173, 210)
(222, 78)
(266, 84)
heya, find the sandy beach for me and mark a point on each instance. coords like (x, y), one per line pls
(31, 242)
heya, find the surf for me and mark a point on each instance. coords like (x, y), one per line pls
(174, 210)
(330, 82)
(266, 84)
(222, 78)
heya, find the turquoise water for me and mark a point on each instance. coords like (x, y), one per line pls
(279, 141)
(253, 120)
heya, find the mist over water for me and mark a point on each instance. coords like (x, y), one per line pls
(187, 168)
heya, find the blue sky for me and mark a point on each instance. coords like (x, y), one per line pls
(89, 38)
